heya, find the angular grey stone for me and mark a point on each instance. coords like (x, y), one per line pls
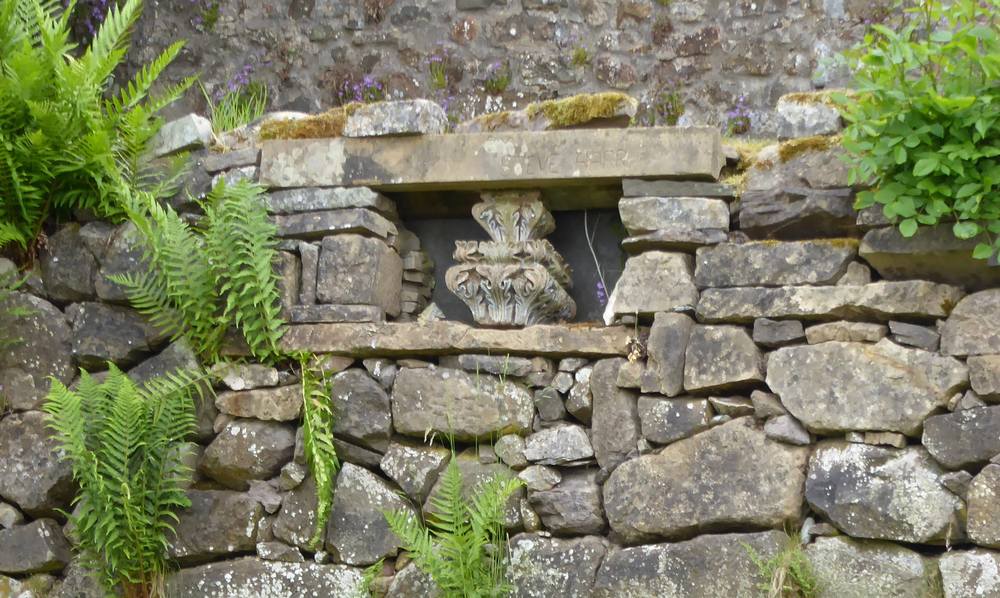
(572, 364)
(311, 314)
(957, 482)
(36, 547)
(542, 567)
(766, 405)
(559, 445)
(721, 358)
(705, 567)
(247, 376)
(289, 272)
(777, 333)
(41, 347)
(247, 450)
(499, 365)
(846, 567)
(642, 215)
(549, 404)
(33, 475)
(668, 188)
(615, 427)
(652, 282)
(68, 267)
(668, 420)
(964, 439)
(510, 450)
(231, 177)
(361, 410)
(879, 300)
(177, 356)
(631, 373)
(973, 328)
(580, 401)
(352, 453)
(797, 212)
(835, 386)
(383, 370)
(214, 162)
(296, 522)
(218, 523)
(805, 119)
(120, 253)
(358, 533)
(103, 333)
(832, 387)
(984, 375)
(315, 199)
(414, 467)
(882, 493)
(934, 253)
(572, 506)
(785, 428)
(771, 264)
(912, 335)
(856, 274)
(401, 117)
(667, 344)
(699, 484)
(189, 132)
(266, 494)
(411, 582)
(456, 403)
(358, 270)
(893, 439)
(317, 225)
(969, 400)
(540, 478)
(732, 406)
(984, 507)
(309, 258)
(970, 573)
(9, 516)
(283, 403)
(848, 332)
(77, 582)
(276, 551)
(674, 238)
(252, 576)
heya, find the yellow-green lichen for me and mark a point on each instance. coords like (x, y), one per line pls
(748, 151)
(816, 97)
(579, 109)
(328, 124)
(491, 121)
(793, 147)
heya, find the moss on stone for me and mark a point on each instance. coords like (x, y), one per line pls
(793, 147)
(328, 124)
(748, 151)
(580, 108)
(491, 121)
(815, 97)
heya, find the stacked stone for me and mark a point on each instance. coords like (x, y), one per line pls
(418, 277)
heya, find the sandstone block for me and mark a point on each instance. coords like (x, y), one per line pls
(542, 566)
(642, 215)
(402, 117)
(614, 419)
(770, 264)
(652, 282)
(984, 507)
(668, 420)
(359, 270)
(721, 358)
(973, 328)
(666, 347)
(283, 403)
(313, 199)
(317, 225)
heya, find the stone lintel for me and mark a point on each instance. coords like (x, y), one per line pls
(445, 338)
(483, 160)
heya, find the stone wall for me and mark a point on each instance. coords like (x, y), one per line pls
(768, 362)
(708, 52)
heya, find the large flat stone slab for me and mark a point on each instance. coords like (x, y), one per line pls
(263, 579)
(443, 338)
(874, 301)
(773, 264)
(507, 159)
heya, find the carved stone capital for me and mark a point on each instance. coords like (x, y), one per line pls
(514, 216)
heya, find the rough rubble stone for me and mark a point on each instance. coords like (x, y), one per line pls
(964, 439)
(402, 117)
(276, 551)
(499, 365)
(383, 370)
(315, 199)
(721, 358)
(571, 507)
(121, 253)
(252, 576)
(77, 582)
(706, 567)
(966, 573)
(615, 427)
(766, 404)
(805, 119)
(558, 445)
(785, 428)
(984, 375)
(882, 493)
(859, 332)
(359, 270)
(283, 403)
(580, 401)
(732, 406)
(247, 450)
(312, 314)
(361, 410)
(729, 476)
(307, 226)
(675, 238)
(642, 215)
(411, 582)
(777, 333)
(359, 455)
(984, 507)
(454, 402)
(32, 474)
(36, 547)
(878, 300)
(652, 282)
(665, 348)
(549, 404)
(68, 267)
(846, 567)
(510, 450)
(358, 533)
(539, 477)
(296, 521)
(771, 264)
(833, 387)
(186, 133)
(103, 333)
(857, 274)
(668, 420)
(42, 348)
(414, 467)
(542, 567)
(973, 328)
(911, 335)
(667, 188)
(218, 523)
(247, 376)
(9, 516)
(934, 253)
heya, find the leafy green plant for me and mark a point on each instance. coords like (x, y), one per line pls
(317, 436)
(462, 546)
(125, 444)
(205, 279)
(10, 282)
(924, 126)
(497, 78)
(237, 107)
(787, 574)
(66, 142)
(580, 57)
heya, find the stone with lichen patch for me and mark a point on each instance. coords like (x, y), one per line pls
(984, 507)
(401, 117)
(973, 328)
(328, 124)
(414, 467)
(572, 506)
(797, 118)
(847, 567)
(721, 358)
(358, 533)
(247, 450)
(767, 263)
(967, 438)
(257, 578)
(970, 573)
(218, 523)
(542, 567)
(652, 282)
(606, 109)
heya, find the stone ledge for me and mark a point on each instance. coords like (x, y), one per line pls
(444, 338)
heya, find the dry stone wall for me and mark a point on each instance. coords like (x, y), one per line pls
(768, 362)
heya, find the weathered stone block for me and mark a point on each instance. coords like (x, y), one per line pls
(667, 188)
(542, 566)
(41, 347)
(572, 506)
(847, 567)
(328, 313)
(247, 450)
(642, 215)
(32, 474)
(361, 410)
(777, 333)
(68, 266)
(217, 523)
(614, 418)
(964, 439)
(36, 547)
(316, 199)
(973, 328)
(316, 225)
(721, 358)
(667, 344)
(358, 533)
(984, 507)
(103, 333)
(798, 118)
(401, 117)
(189, 132)
(668, 420)
(559, 445)
(769, 264)
(359, 270)
(252, 576)
(984, 374)
(848, 332)
(652, 282)
(970, 573)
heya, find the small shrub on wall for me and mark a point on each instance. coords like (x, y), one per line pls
(924, 126)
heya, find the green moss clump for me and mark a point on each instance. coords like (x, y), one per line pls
(579, 109)
(815, 97)
(817, 143)
(328, 124)
(749, 151)
(491, 121)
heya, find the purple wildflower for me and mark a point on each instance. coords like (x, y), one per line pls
(602, 294)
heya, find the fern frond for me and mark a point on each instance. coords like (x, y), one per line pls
(134, 91)
(317, 436)
(111, 39)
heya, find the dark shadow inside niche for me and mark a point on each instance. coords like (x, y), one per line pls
(438, 236)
